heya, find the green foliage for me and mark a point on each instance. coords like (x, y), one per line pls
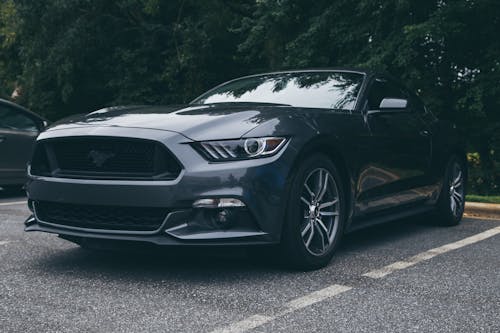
(73, 56)
(482, 179)
(79, 55)
(8, 48)
(483, 198)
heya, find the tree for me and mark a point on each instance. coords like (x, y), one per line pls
(76, 56)
(80, 55)
(8, 48)
(448, 51)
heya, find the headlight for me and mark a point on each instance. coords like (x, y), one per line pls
(242, 149)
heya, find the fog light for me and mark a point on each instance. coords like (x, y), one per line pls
(218, 203)
(224, 218)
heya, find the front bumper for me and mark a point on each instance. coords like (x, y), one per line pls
(261, 184)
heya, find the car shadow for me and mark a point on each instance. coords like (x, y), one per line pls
(202, 263)
(372, 236)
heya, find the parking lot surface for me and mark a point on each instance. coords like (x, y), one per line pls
(405, 276)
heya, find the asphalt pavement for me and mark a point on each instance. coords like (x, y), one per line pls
(407, 276)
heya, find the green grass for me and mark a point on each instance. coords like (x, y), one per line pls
(483, 198)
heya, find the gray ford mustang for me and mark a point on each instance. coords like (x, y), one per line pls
(295, 158)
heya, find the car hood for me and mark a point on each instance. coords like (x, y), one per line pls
(196, 122)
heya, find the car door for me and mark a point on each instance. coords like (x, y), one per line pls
(18, 131)
(401, 146)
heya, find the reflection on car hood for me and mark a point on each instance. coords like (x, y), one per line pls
(197, 122)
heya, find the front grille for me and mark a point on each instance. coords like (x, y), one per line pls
(101, 217)
(103, 158)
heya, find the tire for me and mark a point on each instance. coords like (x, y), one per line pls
(450, 206)
(307, 243)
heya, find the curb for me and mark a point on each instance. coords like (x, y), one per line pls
(482, 210)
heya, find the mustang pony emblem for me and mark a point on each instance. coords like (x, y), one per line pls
(99, 157)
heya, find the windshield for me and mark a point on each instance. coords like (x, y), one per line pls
(331, 90)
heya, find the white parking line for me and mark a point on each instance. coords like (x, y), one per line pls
(12, 203)
(292, 306)
(384, 271)
(4, 242)
(257, 320)
(245, 324)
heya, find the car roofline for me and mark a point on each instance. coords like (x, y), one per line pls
(22, 108)
(306, 70)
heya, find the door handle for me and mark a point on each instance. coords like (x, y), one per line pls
(425, 133)
(2, 139)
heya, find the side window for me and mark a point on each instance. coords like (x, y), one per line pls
(381, 89)
(12, 119)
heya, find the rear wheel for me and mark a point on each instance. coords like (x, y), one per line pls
(315, 216)
(451, 202)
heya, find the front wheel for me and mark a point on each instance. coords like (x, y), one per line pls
(450, 207)
(316, 212)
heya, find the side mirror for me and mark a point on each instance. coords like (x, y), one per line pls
(390, 105)
(42, 125)
(393, 104)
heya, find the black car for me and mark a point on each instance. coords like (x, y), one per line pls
(295, 158)
(19, 128)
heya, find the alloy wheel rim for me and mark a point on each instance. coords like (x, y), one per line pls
(456, 190)
(321, 211)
